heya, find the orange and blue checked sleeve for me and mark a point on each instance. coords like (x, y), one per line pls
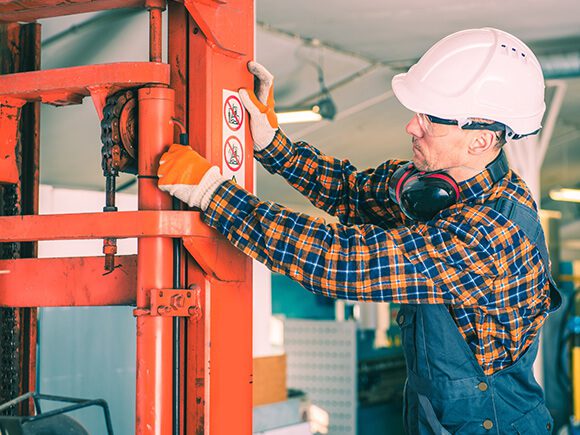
(333, 185)
(470, 257)
(452, 261)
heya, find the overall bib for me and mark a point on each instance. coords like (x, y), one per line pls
(447, 391)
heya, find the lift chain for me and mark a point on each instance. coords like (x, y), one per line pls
(9, 340)
(118, 133)
(119, 153)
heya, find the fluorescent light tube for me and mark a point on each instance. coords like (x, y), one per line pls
(298, 116)
(570, 195)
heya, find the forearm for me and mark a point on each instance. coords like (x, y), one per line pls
(333, 185)
(355, 263)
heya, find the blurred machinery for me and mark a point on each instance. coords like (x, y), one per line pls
(54, 422)
(186, 282)
(568, 351)
(347, 358)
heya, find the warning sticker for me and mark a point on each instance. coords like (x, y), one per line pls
(233, 153)
(233, 113)
(233, 138)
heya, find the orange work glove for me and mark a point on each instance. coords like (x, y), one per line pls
(263, 120)
(189, 177)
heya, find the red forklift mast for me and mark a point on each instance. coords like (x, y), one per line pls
(191, 289)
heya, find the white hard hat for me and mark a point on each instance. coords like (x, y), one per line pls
(477, 73)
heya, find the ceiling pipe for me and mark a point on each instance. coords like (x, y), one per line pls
(562, 65)
(551, 117)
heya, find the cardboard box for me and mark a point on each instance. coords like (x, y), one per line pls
(269, 380)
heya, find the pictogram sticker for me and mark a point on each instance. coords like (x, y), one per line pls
(233, 153)
(233, 113)
(233, 138)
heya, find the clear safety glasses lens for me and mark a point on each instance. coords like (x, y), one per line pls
(437, 127)
(430, 128)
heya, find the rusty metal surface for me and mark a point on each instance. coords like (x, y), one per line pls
(118, 153)
(29, 193)
(118, 135)
(10, 356)
(155, 35)
(32, 10)
(63, 282)
(9, 120)
(65, 86)
(19, 52)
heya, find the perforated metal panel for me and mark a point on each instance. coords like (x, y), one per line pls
(321, 360)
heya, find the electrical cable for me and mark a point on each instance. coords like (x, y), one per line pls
(177, 284)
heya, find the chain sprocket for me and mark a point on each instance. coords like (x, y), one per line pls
(119, 134)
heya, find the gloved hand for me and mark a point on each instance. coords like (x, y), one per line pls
(188, 176)
(263, 120)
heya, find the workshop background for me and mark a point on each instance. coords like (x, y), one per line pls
(342, 364)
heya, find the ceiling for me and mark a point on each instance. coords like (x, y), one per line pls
(359, 46)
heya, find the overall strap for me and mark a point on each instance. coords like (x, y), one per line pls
(527, 220)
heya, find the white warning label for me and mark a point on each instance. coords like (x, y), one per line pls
(233, 153)
(233, 112)
(233, 138)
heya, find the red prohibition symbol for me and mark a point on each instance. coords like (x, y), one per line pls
(233, 153)
(233, 113)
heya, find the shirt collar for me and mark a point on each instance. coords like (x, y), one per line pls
(478, 186)
(475, 187)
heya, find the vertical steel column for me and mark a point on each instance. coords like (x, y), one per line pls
(20, 52)
(155, 36)
(154, 269)
(214, 48)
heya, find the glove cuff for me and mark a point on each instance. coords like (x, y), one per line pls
(209, 183)
(264, 138)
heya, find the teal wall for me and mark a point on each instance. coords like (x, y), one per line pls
(294, 301)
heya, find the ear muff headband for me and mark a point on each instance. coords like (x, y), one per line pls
(422, 195)
(400, 177)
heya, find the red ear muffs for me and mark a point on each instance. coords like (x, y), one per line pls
(399, 178)
(422, 195)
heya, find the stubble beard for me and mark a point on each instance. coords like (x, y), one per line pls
(419, 158)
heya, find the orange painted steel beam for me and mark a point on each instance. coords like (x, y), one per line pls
(65, 86)
(154, 409)
(216, 258)
(221, 30)
(122, 224)
(32, 10)
(67, 282)
(211, 250)
(220, 42)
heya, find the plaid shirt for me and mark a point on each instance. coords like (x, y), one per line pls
(469, 256)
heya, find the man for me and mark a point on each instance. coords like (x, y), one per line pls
(454, 235)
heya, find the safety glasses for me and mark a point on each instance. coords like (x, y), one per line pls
(438, 127)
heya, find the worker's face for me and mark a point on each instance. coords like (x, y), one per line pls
(437, 146)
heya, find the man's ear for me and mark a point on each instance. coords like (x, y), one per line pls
(482, 142)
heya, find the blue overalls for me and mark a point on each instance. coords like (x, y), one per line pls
(446, 390)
